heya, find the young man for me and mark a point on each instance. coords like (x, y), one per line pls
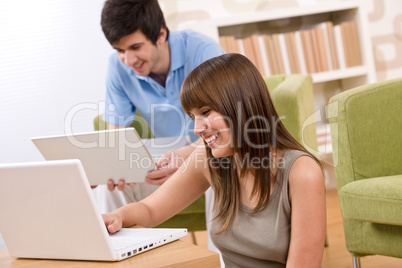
(146, 74)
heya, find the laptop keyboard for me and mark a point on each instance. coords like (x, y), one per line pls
(122, 243)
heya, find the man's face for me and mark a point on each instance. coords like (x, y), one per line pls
(139, 53)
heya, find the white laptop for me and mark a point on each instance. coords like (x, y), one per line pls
(109, 154)
(47, 211)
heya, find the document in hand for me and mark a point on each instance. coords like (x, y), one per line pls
(108, 154)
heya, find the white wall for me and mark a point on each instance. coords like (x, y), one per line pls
(53, 57)
(385, 19)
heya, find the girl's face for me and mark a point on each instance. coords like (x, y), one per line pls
(214, 129)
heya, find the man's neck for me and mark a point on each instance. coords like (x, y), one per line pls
(161, 74)
(160, 78)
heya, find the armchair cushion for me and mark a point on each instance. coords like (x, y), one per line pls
(376, 200)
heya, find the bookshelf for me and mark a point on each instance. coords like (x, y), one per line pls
(254, 31)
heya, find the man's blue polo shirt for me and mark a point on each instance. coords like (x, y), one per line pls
(160, 106)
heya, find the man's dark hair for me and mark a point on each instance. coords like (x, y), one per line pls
(123, 17)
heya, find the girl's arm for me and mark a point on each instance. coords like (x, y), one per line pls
(184, 187)
(308, 219)
(172, 160)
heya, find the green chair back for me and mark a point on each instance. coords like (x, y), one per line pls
(293, 99)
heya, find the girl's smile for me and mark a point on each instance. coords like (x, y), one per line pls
(213, 128)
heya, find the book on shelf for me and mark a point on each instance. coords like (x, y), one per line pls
(351, 43)
(278, 54)
(323, 35)
(347, 46)
(332, 45)
(292, 52)
(252, 51)
(316, 50)
(257, 53)
(264, 56)
(248, 49)
(241, 46)
(339, 47)
(300, 54)
(222, 43)
(270, 54)
(355, 43)
(229, 44)
(323, 47)
(322, 43)
(275, 57)
(308, 52)
(284, 53)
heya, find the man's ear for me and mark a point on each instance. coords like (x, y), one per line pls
(162, 35)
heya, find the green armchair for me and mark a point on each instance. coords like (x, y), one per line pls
(366, 130)
(293, 98)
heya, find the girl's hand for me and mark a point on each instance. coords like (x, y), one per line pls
(112, 222)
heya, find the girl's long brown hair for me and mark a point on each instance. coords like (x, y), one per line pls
(232, 86)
